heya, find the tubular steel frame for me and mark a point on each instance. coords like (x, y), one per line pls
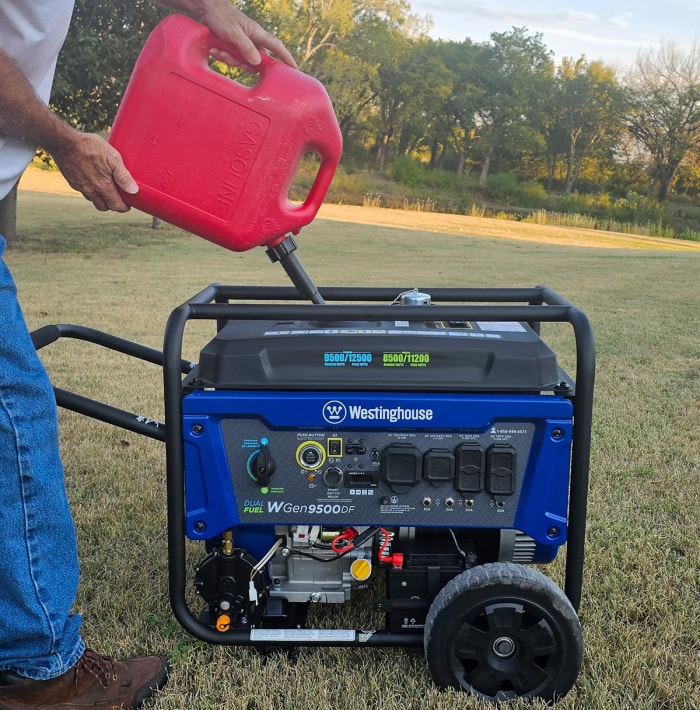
(542, 305)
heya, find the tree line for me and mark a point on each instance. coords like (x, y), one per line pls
(504, 105)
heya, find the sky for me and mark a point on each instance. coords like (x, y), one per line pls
(614, 31)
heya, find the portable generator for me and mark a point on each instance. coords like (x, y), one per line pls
(419, 446)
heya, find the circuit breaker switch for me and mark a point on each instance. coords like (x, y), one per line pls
(335, 447)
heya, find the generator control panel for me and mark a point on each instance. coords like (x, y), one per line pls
(472, 460)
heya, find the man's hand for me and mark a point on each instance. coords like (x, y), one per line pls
(229, 24)
(94, 168)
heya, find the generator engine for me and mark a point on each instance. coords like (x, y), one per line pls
(321, 564)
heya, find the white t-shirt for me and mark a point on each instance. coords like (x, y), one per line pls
(32, 33)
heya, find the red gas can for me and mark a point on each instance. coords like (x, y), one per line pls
(213, 156)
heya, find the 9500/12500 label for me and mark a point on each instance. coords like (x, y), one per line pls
(403, 358)
(347, 357)
(406, 358)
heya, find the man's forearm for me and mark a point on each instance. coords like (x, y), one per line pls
(89, 164)
(22, 113)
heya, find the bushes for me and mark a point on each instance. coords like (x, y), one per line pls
(411, 185)
(532, 194)
(434, 184)
(505, 188)
(407, 171)
(631, 208)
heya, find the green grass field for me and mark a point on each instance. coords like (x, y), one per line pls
(641, 599)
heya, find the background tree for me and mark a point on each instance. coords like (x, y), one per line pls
(352, 83)
(425, 121)
(664, 94)
(94, 66)
(585, 109)
(310, 28)
(457, 115)
(343, 43)
(307, 27)
(350, 71)
(516, 71)
(396, 73)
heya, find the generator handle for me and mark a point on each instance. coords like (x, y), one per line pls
(41, 337)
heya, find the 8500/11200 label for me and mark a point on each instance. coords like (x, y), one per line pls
(406, 357)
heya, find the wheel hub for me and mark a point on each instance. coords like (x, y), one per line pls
(504, 647)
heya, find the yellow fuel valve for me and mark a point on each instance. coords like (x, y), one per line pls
(361, 569)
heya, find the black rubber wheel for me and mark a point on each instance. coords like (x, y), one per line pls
(502, 631)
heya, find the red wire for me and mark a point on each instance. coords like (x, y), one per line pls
(348, 536)
(384, 545)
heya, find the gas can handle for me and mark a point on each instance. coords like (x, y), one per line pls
(306, 211)
(205, 40)
(198, 40)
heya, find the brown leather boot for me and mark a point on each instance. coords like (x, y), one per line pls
(94, 681)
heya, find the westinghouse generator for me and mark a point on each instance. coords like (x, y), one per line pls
(420, 446)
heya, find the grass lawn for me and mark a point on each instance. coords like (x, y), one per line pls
(641, 598)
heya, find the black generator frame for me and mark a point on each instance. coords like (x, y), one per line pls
(221, 303)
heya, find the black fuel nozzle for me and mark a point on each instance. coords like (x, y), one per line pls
(284, 253)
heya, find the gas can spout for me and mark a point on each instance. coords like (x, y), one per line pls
(284, 253)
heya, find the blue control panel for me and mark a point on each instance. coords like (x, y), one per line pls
(476, 460)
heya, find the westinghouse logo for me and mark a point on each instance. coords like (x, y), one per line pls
(335, 412)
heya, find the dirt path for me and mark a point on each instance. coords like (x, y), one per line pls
(52, 182)
(49, 181)
(500, 229)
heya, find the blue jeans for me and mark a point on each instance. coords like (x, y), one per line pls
(39, 637)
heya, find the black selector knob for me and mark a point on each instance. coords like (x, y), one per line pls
(262, 466)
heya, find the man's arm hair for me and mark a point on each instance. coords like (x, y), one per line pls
(24, 115)
(89, 163)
